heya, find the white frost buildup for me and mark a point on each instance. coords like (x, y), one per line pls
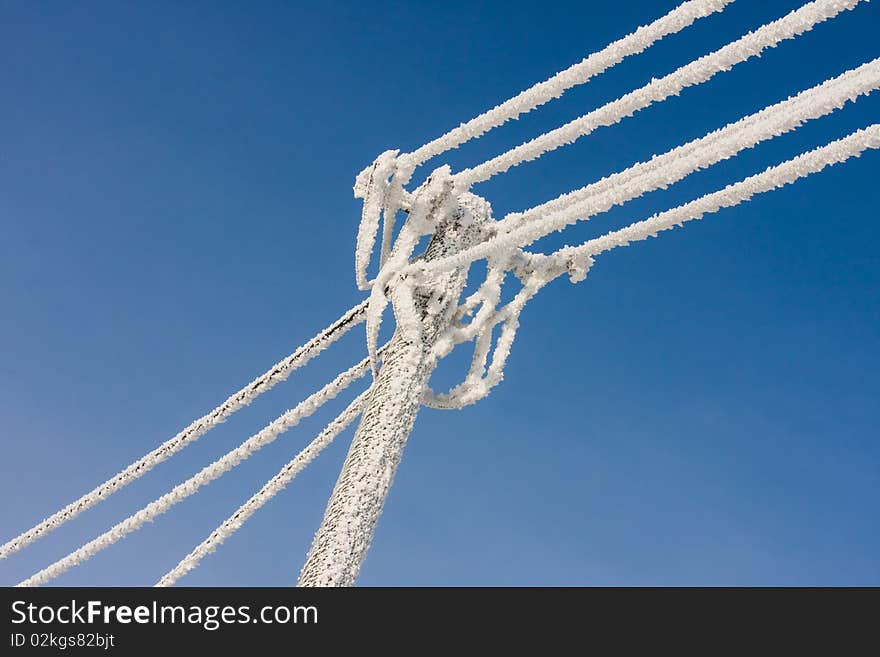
(773, 178)
(276, 374)
(267, 492)
(644, 37)
(541, 269)
(222, 465)
(663, 170)
(697, 72)
(381, 185)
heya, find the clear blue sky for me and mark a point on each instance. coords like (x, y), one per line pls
(176, 213)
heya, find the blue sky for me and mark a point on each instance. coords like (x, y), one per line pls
(176, 213)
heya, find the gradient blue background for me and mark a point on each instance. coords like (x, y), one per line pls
(176, 214)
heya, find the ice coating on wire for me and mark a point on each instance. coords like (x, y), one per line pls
(810, 103)
(671, 167)
(634, 43)
(429, 205)
(381, 185)
(436, 195)
(541, 269)
(274, 486)
(503, 248)
(503, 253)
(751, 45)
(276, 374)
(222, 465)
(772, 178)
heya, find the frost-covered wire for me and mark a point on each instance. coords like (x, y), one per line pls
(225, 463)
(276, 374)
(751, 45)
(536, 270)
(381, 185)
(676, 165)
(274, 486)
(772, 178)
(430, 204)
(480, 379)
(375, 185)
(503, 251)
(810, 103)
(634, 43)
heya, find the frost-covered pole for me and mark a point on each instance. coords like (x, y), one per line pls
(341, 543)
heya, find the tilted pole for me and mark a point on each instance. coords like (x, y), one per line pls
(341, 543)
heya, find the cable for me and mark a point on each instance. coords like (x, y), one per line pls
(772, 178)
(751, 45)
(225, 463)
(634, 43)
(267, 492)
(775, 120)
(278, 373)
(717, 139)
(536, 270)
(381, 185)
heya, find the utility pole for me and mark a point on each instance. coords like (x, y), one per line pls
(341, 543)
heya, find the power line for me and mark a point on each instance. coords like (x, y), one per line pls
(478, 382)
(637, 42)
(751, 45)
(274, 486)
(773, 121)
(810, 103)
(225, 463)
(381, 185)
(772, 178)
(276, 374)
